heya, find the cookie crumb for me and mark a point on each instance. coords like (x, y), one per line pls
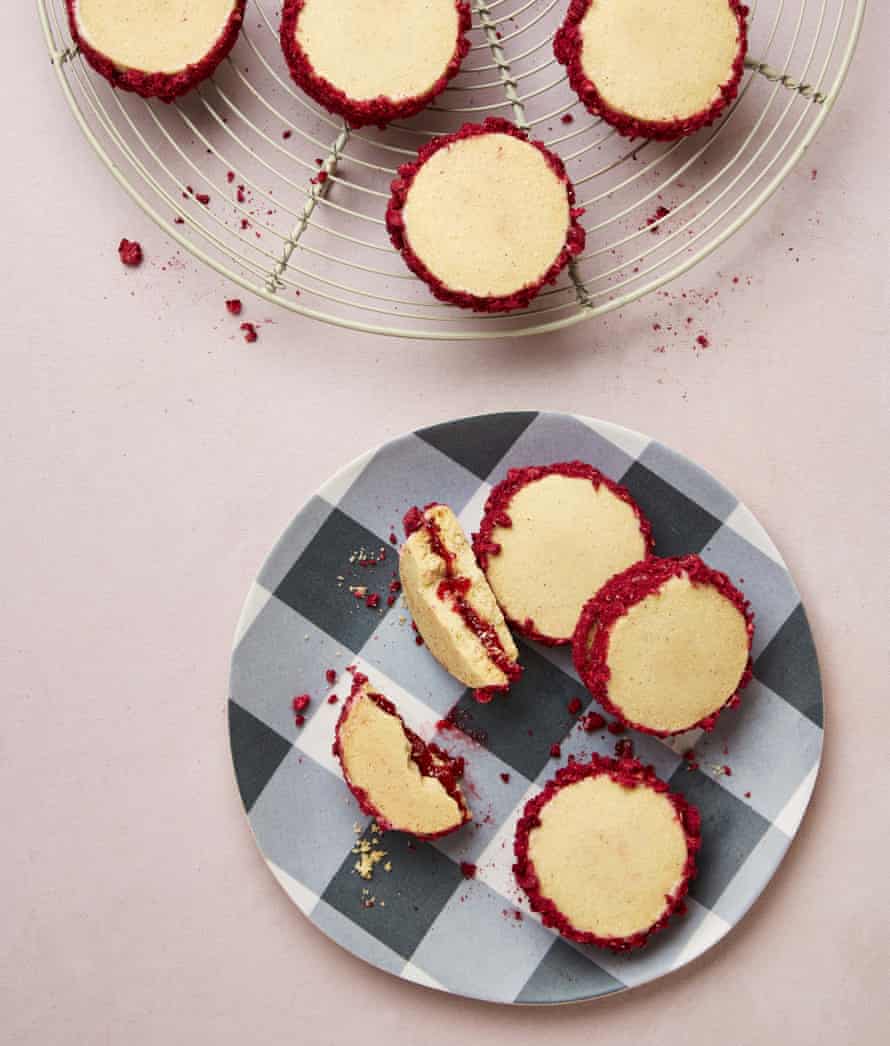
(130, 252)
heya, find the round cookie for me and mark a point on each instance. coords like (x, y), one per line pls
(605, 852)
(452, 604)
(157, 48)
(666, 645)
(552, 535)
(485, 217)
(374, 61)
(406, 784)
(652, 69)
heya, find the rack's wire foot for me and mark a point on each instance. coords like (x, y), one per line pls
(775, 77)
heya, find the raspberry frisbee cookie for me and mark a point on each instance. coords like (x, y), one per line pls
(397, 778)
(373, 61)
(665, 645)
(654, 69)
(551, 536)
(452, 604)
(157, 48)
(485, 217)
(605, 852)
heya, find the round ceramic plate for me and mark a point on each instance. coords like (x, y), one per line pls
(417, 916)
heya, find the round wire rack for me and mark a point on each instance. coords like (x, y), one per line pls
(231, 171)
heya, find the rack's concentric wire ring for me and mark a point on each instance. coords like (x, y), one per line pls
(318, 246)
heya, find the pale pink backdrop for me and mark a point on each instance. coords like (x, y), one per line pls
(149, 460)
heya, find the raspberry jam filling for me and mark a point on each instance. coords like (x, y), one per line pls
(454, 589)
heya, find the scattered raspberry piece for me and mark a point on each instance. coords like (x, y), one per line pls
(239, 194)
(230, 176)
(234, 306)
(593, 721)
(727, 770)
(178, 221)
(301, 703)
(747, 795)
(468, 870)
(395, 586)
(203, 197)
(393, 540)
(286, 134)
(250, 334)
(703, 341)
(418, 640)
(390, 601)
(333, 699)
(624, 749)
(505, 777)
(372, 600)
(299, 720)
(331, 675)
(567, 118)
(555, 750)
(615, 727)
(130, 252)
(575, 705)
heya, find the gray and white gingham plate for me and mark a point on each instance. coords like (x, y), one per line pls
(423, 920)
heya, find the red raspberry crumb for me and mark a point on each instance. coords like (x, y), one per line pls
(372, 600)
(505, 777)
(593, 721)
(333, 699)
(178, 221)
(468, 869)
(418, 640)
(395, 586)
(203, 197)
(575, 705)
(747, 795)
(331, 675)
(727, 770)
(230, 176)
(239, 194)
(301, 702)
(393, 540)
(624, 749)
(555, 750)
(567, 118)
(234, 306)
(703, 341)
(390, 601)
(286, 134)
(615, 727)
(299, 720)
(250, 334)
(130, 252)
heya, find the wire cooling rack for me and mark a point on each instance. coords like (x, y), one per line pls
(253, 143)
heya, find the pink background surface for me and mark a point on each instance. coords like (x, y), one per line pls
(150, 459)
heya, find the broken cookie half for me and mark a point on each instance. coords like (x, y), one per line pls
(405, 783)
(452, 604)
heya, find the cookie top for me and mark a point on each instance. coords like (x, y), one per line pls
(666, 645)
(157, 48)
(407, 784)
(373, 61)
(605, 853)
(653, 69)
(485, 217)
(550, 537)
(452, 604)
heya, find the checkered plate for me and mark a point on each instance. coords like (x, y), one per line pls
(422, 920)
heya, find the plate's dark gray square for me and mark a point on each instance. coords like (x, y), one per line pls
(679, 525)
(302, 529)
(685, 476)
(311, 586)
(564, 975)
(789, 667)
(730, 831)
(523, 724)
(478, 443)
(257, 752)
(407, 900)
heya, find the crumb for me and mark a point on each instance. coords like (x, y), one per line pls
(234, 306)
(239, 194)
(203, 197)
(130, 252)
(372, 600)
(468, 870)
(616, 727)
(703, 341)
(250, 333)
(333, 699)
(555, 751)
(567, 118)
(331, 675)
(624, 749)
(747, 795)
(299, 719)
(230, 176)
(575, 705)
(301, 703)
(368, 858)
(662, 212)
(505, 777)
(286, 134)
(593, 721)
